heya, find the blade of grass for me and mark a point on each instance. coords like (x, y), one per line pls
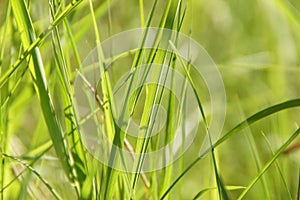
(84, 24)
(35, 43)
(3, 133)
(259, 115)
(117, 141)
(142, 18)
(167, 21)
(67, 102)
(221, 189)
(266, 167)
(290, 11)
(112, 130)
(229, 188)
(38, 75)
(51, 189)
(171, 115)
(255, 154)
(278, 167)
(253, 149)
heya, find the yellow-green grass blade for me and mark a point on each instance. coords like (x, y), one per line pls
(30, 168)
(290, 11)
(31, 47)
(66, 104)
(35, 155)
(119, 135)
(3, 133)
(167, 21)
(27, 35)
(112, 130)
(142, 18)
(172, 122)
(254, 151)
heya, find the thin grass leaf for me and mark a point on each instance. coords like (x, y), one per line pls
(73, 44)
(64, 89)
(38, 75)
(167, 21)
(172, 122)
(266, 167)
(142, 18)
(278, 166)
(3, 130)
(84, 24)
(112, 130)
(255, 154)
(28, 50)
(250, 138)
(45, 182)
(221, 189)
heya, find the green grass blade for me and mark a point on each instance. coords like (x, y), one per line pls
(112, 130)
(229, 188)
(35, 43)
(3, 133)
(167, 21)
(266, 167)
(142, 18)
(38, 75)
(221, 189)
(258, 116)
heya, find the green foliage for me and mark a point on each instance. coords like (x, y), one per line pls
(256, 47)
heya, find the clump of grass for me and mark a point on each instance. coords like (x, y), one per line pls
(42, 69)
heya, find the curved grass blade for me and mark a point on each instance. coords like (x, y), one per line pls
(252, 119)
(202, 192)
(257, 116)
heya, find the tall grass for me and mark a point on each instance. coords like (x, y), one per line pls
(43, 153)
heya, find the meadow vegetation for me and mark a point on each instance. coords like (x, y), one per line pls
(256, 47)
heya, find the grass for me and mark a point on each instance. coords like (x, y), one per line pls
(44, 152)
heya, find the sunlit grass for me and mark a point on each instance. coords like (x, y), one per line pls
(256, 46)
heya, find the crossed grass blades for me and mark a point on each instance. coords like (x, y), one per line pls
(48, 140)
